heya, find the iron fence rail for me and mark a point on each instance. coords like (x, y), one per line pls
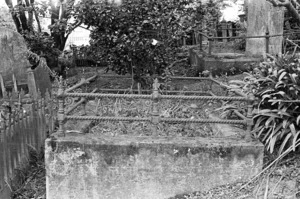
(153, 119)
(155, 97)
(124, 91)
(210, 78)
(267, 36)
(137, 96)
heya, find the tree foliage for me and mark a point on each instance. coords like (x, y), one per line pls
(26, 12)
(292, 6)
(26, 15)
(139, 36)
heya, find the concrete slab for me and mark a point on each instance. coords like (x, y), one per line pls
(124, 167)
(219, 63)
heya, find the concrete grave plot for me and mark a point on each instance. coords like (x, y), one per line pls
(221, 63)
(125, 166)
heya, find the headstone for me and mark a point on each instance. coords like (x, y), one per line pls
(13, 56)
(13, 50)
(263, 17)
(6, 20)
(42, 78)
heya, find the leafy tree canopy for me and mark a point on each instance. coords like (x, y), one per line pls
(140, 36)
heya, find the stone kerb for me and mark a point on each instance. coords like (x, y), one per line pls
(126, 167)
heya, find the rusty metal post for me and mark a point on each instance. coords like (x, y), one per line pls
(84, 105)
(31, 83)
(61, 108)
(267, 41)
(210, 43)
(3, 139)
(200, 41)
(224, 30)
(155, 112)
(250, 108)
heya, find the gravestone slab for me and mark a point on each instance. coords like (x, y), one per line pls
(263, 17)
(13, 55)
(13, 50)
(93, 166)
(6, 20)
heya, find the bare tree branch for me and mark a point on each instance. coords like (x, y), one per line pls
(288, 5)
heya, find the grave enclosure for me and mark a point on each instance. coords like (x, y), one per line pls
(86, 165)
(83, 165)
(128, 167)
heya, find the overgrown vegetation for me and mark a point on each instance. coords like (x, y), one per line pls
(276, 85)
(30, 181)
(142, 109)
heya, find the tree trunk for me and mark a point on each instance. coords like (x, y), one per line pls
(263, 17)
(22, 15)
(13, 15)
(30, 16)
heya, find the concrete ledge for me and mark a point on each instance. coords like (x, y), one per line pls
(125, 167)
(219, 63)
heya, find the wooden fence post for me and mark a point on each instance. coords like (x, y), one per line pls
(32, 125)
(35, 122)
(28, 130)
(43, 119)
(31, 83)
(18, 140)
(6, 153)
(22, 134)
(10, 146)
(3, 166)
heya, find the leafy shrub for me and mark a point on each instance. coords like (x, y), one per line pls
(42, 44)
(276, 85)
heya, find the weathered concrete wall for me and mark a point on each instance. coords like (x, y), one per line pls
(86, 166)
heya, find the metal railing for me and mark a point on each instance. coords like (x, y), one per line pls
(267, 36)
(155, 97)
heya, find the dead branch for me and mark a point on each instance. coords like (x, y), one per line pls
(288, 5)
(178, 61)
